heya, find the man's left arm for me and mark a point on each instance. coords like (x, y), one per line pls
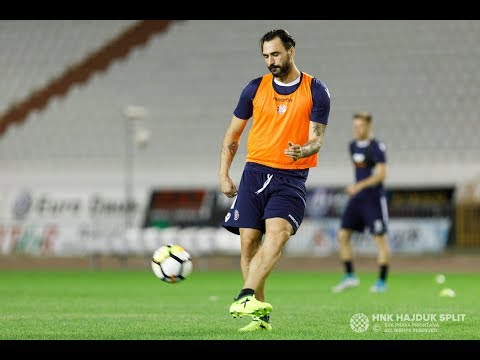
(312, 146)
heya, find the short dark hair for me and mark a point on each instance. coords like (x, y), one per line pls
(287, 40)
(364, 115)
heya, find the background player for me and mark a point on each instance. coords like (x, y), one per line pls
(289, 110)
(367, 206)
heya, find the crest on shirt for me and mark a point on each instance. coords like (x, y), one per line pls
(359, 160)
(358, 157)
(281, 109)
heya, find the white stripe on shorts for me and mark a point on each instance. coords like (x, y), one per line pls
(383, 205)
(234, 201)
(265, 184)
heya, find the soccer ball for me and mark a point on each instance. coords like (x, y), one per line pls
(171, 263)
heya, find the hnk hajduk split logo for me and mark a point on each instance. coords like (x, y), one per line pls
(359, 323)
(394, 323)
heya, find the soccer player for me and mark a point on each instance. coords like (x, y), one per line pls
(289, 109)
(367, 205)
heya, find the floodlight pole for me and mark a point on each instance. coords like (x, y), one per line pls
(132, 115)
(129, 169)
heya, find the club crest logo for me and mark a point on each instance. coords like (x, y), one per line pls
(281, 109)
(359, 322)
(358, 157)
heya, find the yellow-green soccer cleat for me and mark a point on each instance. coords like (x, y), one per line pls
(248, 305)
(256, 324)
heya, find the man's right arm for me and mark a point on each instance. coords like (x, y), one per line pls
(230, 144)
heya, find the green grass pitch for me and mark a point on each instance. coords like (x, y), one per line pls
(126, 304)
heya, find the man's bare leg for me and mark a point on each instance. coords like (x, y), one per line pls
(277, 233)
(345, 249)
(383, 260)
(250, 241)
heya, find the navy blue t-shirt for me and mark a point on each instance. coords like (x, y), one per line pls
(365, 155)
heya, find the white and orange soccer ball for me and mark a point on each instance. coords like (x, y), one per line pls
(171, 263)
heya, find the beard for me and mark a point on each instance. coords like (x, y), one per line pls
(279, 71)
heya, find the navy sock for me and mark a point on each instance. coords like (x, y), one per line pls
(349, 267)
(383, 272)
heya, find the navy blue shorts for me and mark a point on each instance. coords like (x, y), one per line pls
(366, 212)
(265, 193)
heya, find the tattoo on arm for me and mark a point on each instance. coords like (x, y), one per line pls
(227, 153)
(313, 145)
(319, 130)
(230, 148)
